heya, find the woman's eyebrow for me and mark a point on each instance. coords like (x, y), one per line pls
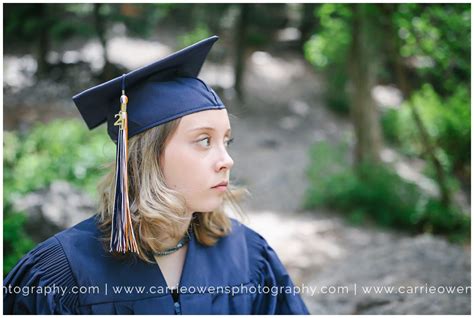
(207, 128)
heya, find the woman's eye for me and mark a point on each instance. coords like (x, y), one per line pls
(205, 142)
(228, 142)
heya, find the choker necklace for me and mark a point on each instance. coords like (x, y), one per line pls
(182, 242)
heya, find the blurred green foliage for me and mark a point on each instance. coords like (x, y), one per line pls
(439, 36)
(16, 241)
(447, 120)
(330, 43)
(328, 50)
(434, 41)
(200, 32)
(377, 194)
(61, 149)
(58, 150)
(23, 22)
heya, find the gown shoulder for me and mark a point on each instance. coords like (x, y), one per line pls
(41, 282)
(46, 279)
(267, 271)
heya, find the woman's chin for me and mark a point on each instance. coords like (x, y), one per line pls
(209, 207)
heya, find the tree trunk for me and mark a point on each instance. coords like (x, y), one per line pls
(100, 28)
(240, 45)
(430, 151)
(43, 40)
(308, 23)
(364, 113)
(392, 43)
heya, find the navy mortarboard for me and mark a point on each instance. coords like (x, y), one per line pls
(144, 98)
(162, 91)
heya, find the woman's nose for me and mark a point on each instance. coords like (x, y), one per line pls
(225, 161)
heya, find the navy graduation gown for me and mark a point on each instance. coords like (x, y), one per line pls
(71, 273)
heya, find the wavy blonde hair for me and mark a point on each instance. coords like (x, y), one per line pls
(158, 212)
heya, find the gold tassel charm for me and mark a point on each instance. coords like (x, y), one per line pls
(122, 237)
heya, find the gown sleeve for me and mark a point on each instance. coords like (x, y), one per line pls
(41, 283)
(278, 296)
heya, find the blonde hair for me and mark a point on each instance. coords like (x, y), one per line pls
(157, 211)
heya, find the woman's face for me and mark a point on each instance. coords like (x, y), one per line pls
(195, 159)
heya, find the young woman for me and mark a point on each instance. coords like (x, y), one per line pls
(162, 241)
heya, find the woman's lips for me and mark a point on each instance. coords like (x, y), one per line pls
(223, 183)
(220, 187)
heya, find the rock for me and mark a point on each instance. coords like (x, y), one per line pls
(420, 269)
(53, 209)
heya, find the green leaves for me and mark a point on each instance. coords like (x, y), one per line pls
(200, 32)
(62, 149)
(330, 43)
(447, 121)
(376, 193)
(433, 41)
(16, 241)
(440, 32)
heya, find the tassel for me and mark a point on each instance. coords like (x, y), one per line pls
(122, 237)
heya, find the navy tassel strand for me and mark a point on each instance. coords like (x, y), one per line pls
(122, 237)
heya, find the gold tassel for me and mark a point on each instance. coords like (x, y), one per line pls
(122, 237)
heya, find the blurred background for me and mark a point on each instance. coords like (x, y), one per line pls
(351, 123)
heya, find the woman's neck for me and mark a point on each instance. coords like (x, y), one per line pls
(171, 242)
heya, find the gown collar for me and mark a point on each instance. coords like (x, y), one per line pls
(193, 279)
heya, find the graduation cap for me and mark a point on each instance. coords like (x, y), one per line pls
(139, 100)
